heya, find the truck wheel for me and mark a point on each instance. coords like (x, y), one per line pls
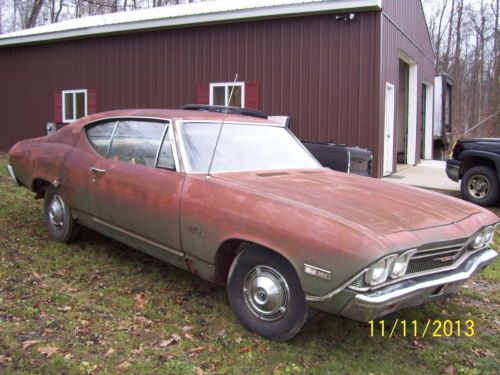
(480, 185)
(265, 293)
(61, 226)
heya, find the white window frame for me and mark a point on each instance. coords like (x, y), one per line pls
(227, 91)
(73, 92)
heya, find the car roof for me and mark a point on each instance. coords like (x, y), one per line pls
(174, 114)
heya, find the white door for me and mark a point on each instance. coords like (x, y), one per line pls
(388, 129)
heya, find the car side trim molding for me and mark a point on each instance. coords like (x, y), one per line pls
(138, 237)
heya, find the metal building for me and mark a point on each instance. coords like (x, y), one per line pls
(357, 72)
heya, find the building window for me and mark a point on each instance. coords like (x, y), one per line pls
(74, 104)
(220, 93)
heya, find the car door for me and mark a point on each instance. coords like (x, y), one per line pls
(136, 189)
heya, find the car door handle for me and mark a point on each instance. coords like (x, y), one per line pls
(97, 170)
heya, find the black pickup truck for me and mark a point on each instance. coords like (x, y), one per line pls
(477, 163)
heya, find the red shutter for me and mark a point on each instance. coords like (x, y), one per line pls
(57, 107)
(252, 95)
(202, 93)
(91, 101)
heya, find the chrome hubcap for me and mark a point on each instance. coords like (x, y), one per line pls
(56, 212)
(478, 186)
(266, 293)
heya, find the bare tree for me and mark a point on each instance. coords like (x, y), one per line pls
(32, 16)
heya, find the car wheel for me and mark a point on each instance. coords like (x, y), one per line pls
(480, 185)
(266, 295)
(60, 224)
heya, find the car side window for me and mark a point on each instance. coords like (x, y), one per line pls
(137, 142)
(166, 156)
(99, 136)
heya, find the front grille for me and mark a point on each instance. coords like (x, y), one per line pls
(359, 282)
(433, 259)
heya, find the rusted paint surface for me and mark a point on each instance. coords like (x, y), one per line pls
(328, 219)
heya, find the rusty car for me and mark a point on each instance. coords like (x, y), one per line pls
(239, 201)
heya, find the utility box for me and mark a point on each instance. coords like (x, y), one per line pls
(51, 128)
(442, 115)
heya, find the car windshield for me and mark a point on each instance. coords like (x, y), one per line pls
(242, 147)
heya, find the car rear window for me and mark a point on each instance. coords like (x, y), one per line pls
(99, 136)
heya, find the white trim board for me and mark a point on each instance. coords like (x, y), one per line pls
(428, 120)
(207, 12)
(389, 103)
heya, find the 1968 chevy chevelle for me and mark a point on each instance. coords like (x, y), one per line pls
(283, 233)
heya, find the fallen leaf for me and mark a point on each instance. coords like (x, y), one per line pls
(140, 301)
(176, 337)
(188, 336)
(186, 329)
(238, 340)
(109, 352)
(139, 350)
(43, 315)
(198, 349)
(48, 351)
(165, 343)
(263, 348)
(245, 349)
(28, 343)
(142, 319)
(124, 365)
(483, 352)
(37, 276)
(4, 359)
(47, 332)
(450, 370)
(68, 356)
(221, 333)
(418, 345)
(61, 272)
(65, 308)
(199, 371)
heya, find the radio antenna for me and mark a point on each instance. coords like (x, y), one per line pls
(221, 125)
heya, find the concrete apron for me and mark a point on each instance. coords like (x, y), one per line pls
(429, 174)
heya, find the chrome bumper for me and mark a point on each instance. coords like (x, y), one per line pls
(367, 306)
(12, 174)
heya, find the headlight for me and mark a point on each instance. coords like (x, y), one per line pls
(378, 273)
(488, 235)
(400, 265)
(478, 240)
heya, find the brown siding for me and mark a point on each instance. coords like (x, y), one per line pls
(320, 71)
(403, 30)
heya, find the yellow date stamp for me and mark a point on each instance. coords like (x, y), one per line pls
(417, 328)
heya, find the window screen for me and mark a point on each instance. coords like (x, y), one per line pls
(137, 142)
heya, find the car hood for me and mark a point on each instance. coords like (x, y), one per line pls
(382, 207)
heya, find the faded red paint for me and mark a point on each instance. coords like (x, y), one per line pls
(338, 221)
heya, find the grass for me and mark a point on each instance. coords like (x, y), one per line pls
(97, 306)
